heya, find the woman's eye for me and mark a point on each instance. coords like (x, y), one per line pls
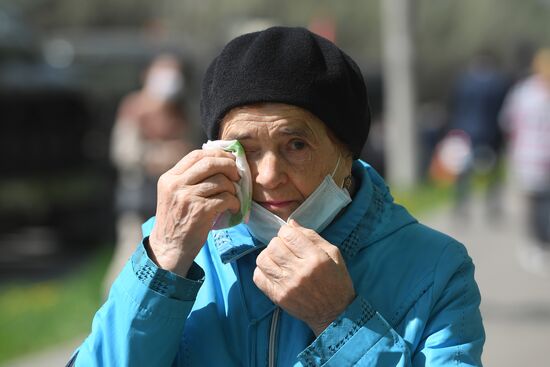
(250, 150)
(297, 151)
(297, 144)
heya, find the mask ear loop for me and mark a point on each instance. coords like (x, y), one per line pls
(335, 168)
(347, 180)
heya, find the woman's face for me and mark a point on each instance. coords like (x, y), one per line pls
(288, 150)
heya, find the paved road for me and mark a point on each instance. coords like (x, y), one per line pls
(516, 303)
(57, 356)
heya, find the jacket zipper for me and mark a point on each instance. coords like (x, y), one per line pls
(273, 337)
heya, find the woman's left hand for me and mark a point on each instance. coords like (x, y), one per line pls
(305, 275)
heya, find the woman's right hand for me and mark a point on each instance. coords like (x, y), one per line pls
(191, 195)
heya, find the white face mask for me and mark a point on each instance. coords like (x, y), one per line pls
(164, 84)
(316, 212)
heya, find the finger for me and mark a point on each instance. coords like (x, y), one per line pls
(319, 241)
(214, 185)
(263, 282)
(332, 251)
(309, 233)
(296, 241)
(269, 268)
(221, 202)
(279, 252)
(210, 166)
(190, 159)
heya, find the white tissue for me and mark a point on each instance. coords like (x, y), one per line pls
(243, 186)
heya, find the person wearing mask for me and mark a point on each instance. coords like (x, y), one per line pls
(526, 118)
(476, 102)
(151, 133)
(321, 268)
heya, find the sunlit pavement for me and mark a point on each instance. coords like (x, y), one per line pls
(55, 356)
(515, 300)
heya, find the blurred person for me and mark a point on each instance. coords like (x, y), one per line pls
(327, 270)
(476, 102)
(149, 136)
(431, 121)
(323, 24)
(526, 117)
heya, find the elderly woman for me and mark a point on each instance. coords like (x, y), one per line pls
(327, 270)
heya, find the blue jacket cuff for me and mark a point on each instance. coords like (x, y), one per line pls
(164, 282)
(342, 331)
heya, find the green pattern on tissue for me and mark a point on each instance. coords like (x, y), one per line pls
(237, 149)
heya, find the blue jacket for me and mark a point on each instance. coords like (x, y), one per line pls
(417, 301)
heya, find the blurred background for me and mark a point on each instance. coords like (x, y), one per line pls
(97, 98)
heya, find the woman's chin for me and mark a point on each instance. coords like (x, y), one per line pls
(282, 211)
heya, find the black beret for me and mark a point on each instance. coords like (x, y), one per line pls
(292, 66)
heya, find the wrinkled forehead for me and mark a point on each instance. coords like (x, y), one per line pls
(272, 118)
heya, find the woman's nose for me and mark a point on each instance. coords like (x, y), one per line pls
(270, 171)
